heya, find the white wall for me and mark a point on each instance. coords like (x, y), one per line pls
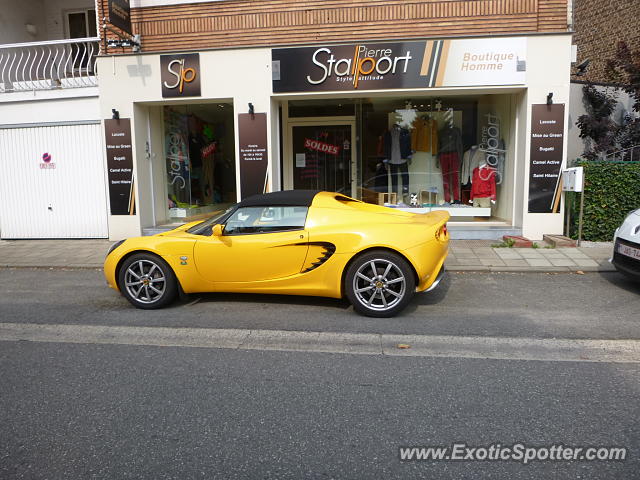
(134, 80)
(56, 15)
(48, 108)
(545, 73)
(47, 16)
(14, 14)
(244, 76)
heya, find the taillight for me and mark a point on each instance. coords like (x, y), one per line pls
(441, 233)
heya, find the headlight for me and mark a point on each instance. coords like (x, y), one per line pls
(114, 246)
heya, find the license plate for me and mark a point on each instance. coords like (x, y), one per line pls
(629, 251)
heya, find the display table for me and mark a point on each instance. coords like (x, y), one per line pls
(454, 211)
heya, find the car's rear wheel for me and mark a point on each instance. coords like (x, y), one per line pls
(147, 281)
(379, 284)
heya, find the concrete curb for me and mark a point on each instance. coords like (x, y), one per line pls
(508, 269)
(495, 348)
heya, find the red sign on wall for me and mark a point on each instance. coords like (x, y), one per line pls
(321, 146)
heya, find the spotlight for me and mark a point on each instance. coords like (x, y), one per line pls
(581, 68)
(550, 98)
(115, 114)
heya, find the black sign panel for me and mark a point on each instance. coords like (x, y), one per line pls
(349, 67)
(120, 15)
(120, 166)
(180, 75)
(252, 135)
(547, 135)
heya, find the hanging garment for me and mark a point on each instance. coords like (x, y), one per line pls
(450, 140)
(397, 145)
(381, 179)
(470, 161)
(450, 165)
(483, 183)
(400, 173)
(424, 137)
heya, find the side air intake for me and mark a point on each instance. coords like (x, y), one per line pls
(326, 251)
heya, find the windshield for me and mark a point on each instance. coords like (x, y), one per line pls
(206, 227)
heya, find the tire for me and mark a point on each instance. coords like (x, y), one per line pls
(147, 281)
(382, 293)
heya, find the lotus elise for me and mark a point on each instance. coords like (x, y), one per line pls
(296, 242)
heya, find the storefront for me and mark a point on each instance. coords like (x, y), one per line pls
(417, 125)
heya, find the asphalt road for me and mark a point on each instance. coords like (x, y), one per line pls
(535, 305)
(130, 412)
(113, 411)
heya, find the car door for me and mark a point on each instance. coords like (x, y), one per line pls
(257, 244)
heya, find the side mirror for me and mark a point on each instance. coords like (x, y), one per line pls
(217, 230)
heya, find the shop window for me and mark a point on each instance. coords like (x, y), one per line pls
(445, 153)
(421, 154)
(200, 159)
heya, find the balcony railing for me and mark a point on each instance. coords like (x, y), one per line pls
(48, 65)
(624, 155)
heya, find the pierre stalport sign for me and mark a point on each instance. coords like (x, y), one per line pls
(398, 65)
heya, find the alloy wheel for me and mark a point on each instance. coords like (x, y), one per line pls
(145, 281)
(379, 284)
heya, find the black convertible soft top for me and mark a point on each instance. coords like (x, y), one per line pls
(291, 198)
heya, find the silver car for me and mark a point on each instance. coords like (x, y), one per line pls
(626, 249)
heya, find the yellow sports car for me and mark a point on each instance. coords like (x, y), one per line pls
(296, 242)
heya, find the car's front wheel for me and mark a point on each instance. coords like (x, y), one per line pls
(379, 284)
(147, 281)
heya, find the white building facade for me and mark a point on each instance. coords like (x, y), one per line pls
(211, 127)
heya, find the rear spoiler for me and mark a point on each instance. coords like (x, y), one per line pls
(437, 218)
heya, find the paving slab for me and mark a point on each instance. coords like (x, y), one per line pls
(565, 262)
(506, 253)
(515, 263)
(530, 254)
(492, 262)
(538, 262)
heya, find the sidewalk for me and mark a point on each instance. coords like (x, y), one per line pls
(464, 255)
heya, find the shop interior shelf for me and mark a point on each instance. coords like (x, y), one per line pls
(454, 211)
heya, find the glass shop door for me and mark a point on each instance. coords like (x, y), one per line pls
(323, 157)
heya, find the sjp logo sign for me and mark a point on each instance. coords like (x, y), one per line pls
(180, 75)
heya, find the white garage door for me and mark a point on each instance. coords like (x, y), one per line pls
(52, 182)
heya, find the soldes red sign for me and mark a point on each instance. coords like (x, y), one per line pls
(321, 146)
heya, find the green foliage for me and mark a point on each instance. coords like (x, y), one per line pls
(597, 124)
(507, 243)
(603, 135)
(612, 190)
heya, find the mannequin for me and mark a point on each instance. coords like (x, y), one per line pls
(450, 158)
(483, 186)
(397, 150)
(470, 160)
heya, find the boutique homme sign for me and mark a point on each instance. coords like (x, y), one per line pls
(431, 63)
(547, 136)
